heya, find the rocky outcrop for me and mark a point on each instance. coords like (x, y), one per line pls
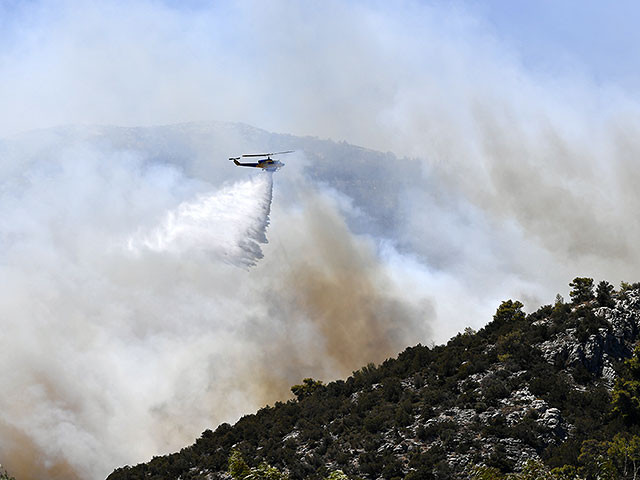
(600, 351)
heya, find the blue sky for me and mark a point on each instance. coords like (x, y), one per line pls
(602, 38)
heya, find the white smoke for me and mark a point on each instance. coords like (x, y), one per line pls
(227, 225)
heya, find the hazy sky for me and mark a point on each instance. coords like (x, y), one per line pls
(288, 65)
(515, 128)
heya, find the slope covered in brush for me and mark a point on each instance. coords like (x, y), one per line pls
(525, 387)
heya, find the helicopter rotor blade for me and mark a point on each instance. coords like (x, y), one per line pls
(281, 153)
(266, 154)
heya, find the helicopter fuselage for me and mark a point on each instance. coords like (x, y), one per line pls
(267, 164)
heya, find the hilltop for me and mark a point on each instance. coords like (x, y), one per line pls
(525, 391)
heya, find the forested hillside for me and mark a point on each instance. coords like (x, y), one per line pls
(555, 393)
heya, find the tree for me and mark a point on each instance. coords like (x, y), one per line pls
(469, 331)
(487, 473)
(595, 464)
(507, 315)
(581, 289)
(391, 389)
(624, 452)
(625, 398)
(626, 286)
(566, 472)
(533, 470)
(266, 472)
(337, 475)
(239, 470)
(308, 387)
(508, 310)
(604, 294)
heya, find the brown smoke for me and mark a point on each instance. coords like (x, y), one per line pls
(24, 460)
(336, 281)
(333, 306)
(341, 289)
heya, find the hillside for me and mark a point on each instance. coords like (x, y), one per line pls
(525, 387)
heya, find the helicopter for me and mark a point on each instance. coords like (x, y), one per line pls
(268, 164)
